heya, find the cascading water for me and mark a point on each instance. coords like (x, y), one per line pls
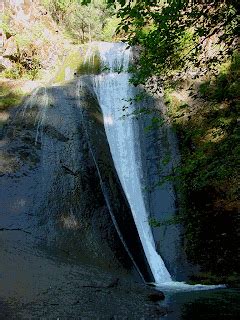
(115, 95)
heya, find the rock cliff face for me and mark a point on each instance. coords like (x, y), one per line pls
(24, 14)
(30, 37)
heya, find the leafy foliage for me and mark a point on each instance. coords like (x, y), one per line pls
(208, 176)
(174, 35)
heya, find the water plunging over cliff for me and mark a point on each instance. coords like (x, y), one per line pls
(116, 98)
(136, 157)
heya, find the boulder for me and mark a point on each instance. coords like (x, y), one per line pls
(156, 296)
(5, 64)
(10, 47)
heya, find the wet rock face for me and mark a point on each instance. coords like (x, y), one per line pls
(6, 312)
(55, 223)
(50, 186)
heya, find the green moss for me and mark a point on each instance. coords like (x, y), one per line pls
(157, 223)
(9, 97)
(75, 61)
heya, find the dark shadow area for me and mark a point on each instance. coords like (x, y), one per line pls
(209, 305)
(45, 140)
(209, 135)
(5, 311)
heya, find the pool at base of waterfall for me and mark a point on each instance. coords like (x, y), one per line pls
(219, 304)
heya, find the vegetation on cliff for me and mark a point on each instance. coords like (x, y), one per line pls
(207, 126)
(39, 36)
(33, 42)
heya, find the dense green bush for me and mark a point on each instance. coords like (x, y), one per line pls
(174, 35)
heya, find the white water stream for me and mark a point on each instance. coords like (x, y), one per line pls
(114, 93)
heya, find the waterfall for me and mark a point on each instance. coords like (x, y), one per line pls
(124, 129)
(116, 96)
